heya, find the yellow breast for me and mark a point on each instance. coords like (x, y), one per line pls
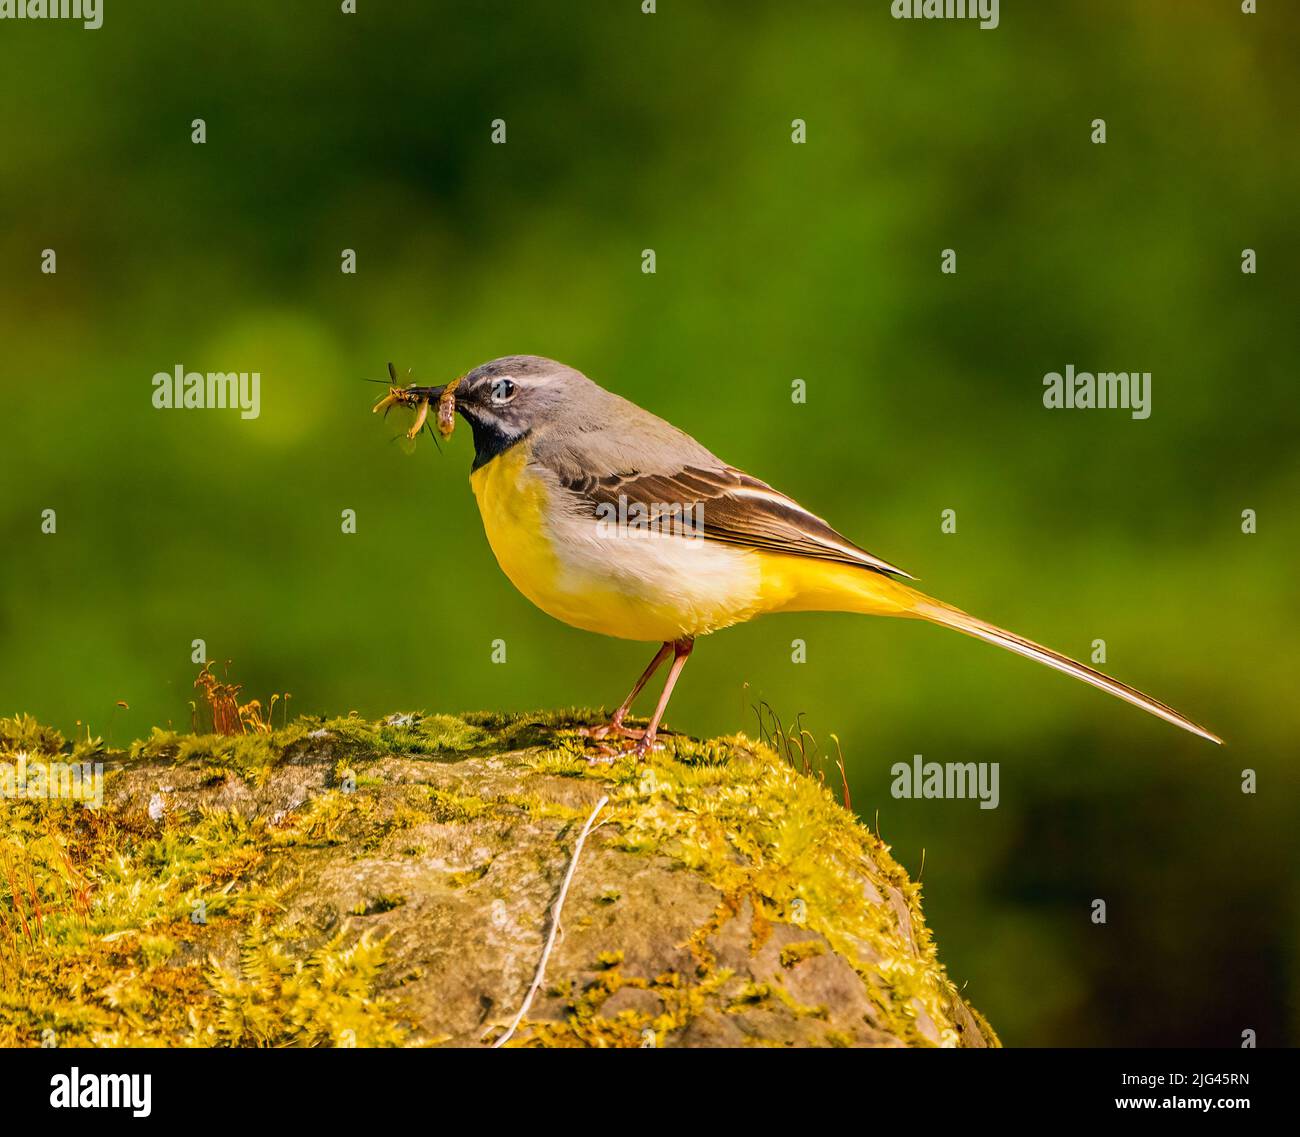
(639, 589)
(512, 503)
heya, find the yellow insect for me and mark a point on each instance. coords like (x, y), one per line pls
(416, 396)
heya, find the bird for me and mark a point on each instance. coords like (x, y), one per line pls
(614, 521)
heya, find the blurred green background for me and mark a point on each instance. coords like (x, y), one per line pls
(775, 262)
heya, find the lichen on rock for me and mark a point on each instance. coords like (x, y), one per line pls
(347, 882)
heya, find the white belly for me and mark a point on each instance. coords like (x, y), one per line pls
(650, 586)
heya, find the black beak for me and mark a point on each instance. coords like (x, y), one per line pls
(433, 394)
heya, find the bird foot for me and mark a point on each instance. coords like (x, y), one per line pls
(608, 729)
(607, 754)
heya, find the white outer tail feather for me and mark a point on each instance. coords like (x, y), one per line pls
(959, 621)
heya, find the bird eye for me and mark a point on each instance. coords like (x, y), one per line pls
(503, 390)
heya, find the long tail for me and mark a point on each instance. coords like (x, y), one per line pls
(940, 613)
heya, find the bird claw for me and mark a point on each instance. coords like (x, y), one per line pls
(617, 729)
(607, 754)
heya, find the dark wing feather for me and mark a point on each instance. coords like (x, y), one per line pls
(736, 509)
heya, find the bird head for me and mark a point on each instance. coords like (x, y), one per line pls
(507, 399)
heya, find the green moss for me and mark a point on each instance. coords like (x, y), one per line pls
(251, 756)
(451, 808)
(99, 941)
(24, 733)
(107, 919)
(586, 1024)
(96, 945)
(449, 736)
(327, 999)
(566, 761)
(776, 844)
(794, 954)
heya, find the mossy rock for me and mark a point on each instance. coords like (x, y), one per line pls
(345, 882)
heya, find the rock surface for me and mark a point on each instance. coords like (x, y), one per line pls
(344, 882)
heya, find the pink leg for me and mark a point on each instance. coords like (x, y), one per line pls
(681, 651)
(615, 724)
(660, 656)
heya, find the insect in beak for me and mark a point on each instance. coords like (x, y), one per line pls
(420, 398)
(447, 408)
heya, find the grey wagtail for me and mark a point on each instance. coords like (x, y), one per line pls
(614, 521)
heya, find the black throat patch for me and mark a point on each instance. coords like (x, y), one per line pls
(490, 439)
